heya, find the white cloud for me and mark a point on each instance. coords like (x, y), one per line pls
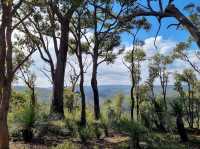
(117, 73)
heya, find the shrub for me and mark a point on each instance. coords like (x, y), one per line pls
(71, 125)
(133, 129)
(105, 125)
(85, 134)
(26, 119)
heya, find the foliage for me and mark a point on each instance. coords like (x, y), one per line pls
(85, 133)
(18, 100)
(132, 128)
(26, 117)
(71, 100)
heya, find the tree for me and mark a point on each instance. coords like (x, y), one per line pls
(166, 10)
(59, 14)
(181, 51)
(153, 73)
(29, 79)
(134, 58)
(189, 77)
(8, 66)
(105, 37)
(178, 111)
(160, 63)
(80, 48)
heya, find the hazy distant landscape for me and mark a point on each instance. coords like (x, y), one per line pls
(105, 91)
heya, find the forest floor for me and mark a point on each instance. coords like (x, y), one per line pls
(51, 138)
(110, 142)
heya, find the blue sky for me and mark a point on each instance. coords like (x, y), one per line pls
(117, 73)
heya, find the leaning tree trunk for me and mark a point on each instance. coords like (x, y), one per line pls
(173, 11)
(95, 90)
(57, 110)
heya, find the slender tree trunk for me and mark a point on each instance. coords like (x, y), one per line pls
(57, 110)
(95, 89)
(83, 104)
(33, 97)
(137, 98)
(132, 102)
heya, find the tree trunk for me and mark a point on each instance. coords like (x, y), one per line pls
(181, 129)
(5, 71)
(83, 105)
(33, 97)
(172, 10)
(4, 106)
(95, 90)
(132, 103)
(57, 110)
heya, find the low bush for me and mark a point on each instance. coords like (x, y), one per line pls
(25, 120)
(133, 129)
(85, 133)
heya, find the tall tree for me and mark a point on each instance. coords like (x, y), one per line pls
(160, 63)
(153, 73)
(106, 36)
(188, 76)
(134, 59)
(8, 66)
(79, 31)
(57, 28)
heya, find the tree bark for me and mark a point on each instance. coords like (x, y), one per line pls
(57, 110)
(176, 13)
(181, 128)
(83, 104)
(4, 100)
(5, 71)
(95, 89)
(132, 102)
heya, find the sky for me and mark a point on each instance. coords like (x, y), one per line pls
(117, 73)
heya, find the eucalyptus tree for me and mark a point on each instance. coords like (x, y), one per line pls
(183, 51)
(160, 63)
(51, 22)
(134, 58)
(105, 32)
(188, 76)
(29, 79)
(168, 9)
(80, 47)
(9, 63)
(153, 74)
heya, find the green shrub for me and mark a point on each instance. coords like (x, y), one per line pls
(71, 125)
(133, 129)
(105, 125)
(26, 120)
(85, 134)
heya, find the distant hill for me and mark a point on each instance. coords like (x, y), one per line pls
(105, 91)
